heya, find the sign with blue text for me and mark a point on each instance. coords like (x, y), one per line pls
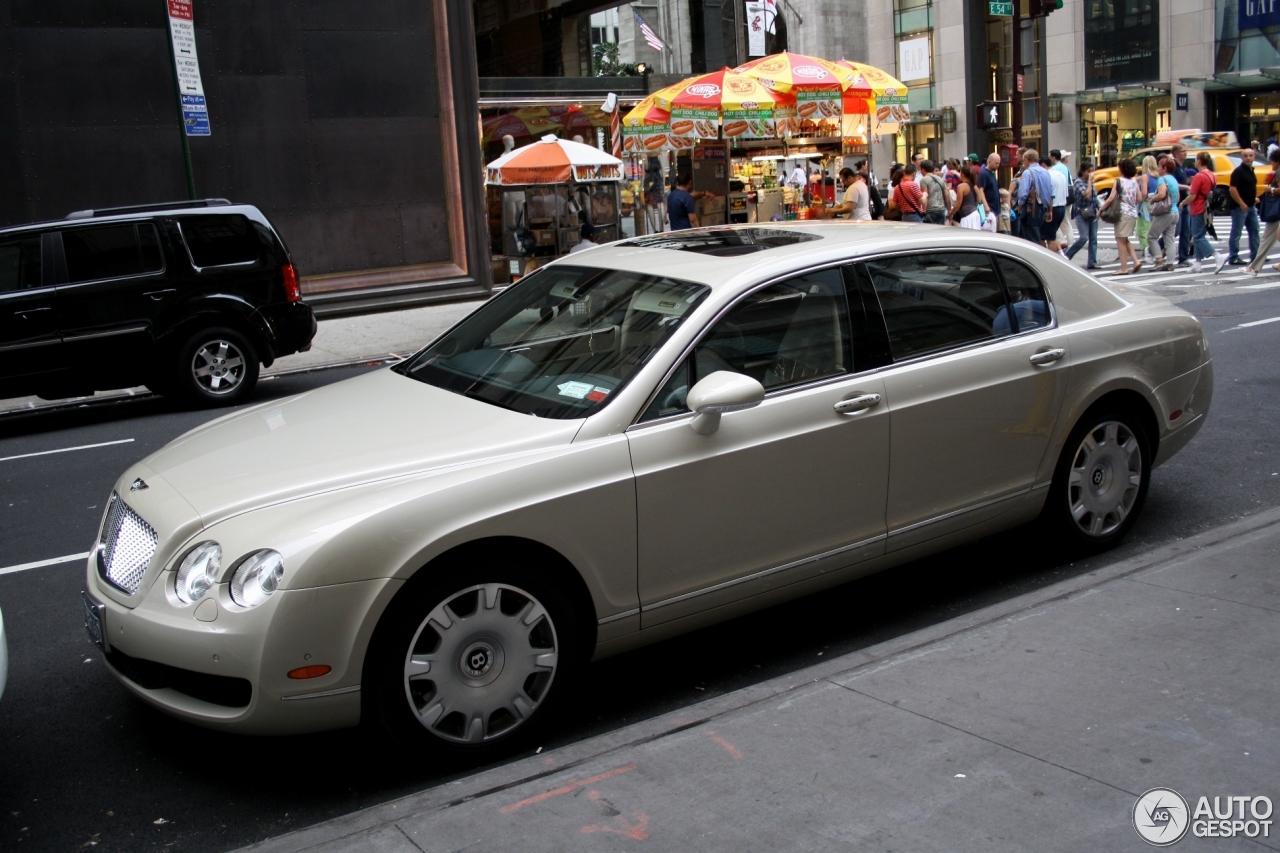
(1259, 13)
(1183, 101)
(182, 33)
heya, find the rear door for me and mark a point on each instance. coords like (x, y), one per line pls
(29, 340)
(113, 288)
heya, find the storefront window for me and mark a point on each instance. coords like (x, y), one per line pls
(1114, 130)
(1121, 42)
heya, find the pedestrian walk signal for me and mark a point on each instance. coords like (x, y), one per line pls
(993, 114)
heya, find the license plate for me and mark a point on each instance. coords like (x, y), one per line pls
(93, 621)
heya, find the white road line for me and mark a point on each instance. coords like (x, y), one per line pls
(1259, 322)
(65, 449)
(40, 564)
(1260, 286)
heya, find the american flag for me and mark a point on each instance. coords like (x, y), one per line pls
(649, 35)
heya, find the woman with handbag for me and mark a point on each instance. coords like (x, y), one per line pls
(1146, 187)
(1121, 210)
(1164, 216)
(1269, 211)
(964, 210)
(1086, 215)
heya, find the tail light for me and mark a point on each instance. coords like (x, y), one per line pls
(292, 292)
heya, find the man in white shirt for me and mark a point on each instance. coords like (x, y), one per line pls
(798, 177)
(1061, 178)
(1060, 164)
(588, 231)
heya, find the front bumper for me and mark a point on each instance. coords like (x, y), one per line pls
(227, 669)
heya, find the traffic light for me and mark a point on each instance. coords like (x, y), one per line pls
(992, 115)
(1041, 8)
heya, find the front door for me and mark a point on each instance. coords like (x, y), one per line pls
(789, 489)
(980, 374)
(30, 347)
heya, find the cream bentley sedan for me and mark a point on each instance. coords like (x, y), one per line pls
(631, 443)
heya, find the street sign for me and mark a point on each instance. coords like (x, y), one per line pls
(1183, 101)
(1000, 7)
(182, 33)
(1019, 82)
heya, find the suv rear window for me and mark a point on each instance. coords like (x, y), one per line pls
(19, 263)
(111, 251)
(221, 240)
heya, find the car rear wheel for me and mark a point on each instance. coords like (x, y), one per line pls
(471, 668)
(217, 366)
(1101, 481)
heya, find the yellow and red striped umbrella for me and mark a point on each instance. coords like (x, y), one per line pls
(815, 83)
(701, 105)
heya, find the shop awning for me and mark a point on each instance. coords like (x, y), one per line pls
(1111, 94)
(1229, 81)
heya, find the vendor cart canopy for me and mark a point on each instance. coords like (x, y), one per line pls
(551, 160)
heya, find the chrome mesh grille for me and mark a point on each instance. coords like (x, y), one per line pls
(126, 546)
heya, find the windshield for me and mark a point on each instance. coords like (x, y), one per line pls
(560, 342)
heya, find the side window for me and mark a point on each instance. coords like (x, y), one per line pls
(1027, 298)
(937, 301)
(19, 263)
(789, 333)
(220, 240)
(111, 251)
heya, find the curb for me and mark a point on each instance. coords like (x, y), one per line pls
(531, 768)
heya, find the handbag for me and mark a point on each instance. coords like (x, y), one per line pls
(1269, 207)
(1111, 213)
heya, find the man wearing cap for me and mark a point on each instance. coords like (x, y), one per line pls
(1059, 164)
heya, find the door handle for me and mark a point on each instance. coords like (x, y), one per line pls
(860, 403)
(1048, 356)
(24, 312)
(157, 295)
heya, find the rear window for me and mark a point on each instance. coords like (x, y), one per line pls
(220, 240)
(111, 251)
(19, 263)
(723, 241)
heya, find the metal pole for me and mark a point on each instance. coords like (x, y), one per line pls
(1043, 86)
(182, 129)
(1015, 91)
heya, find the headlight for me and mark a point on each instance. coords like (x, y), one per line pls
(257, 576)
(198, 572)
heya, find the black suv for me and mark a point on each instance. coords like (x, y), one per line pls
(186, 298)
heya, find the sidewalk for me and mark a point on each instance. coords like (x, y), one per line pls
(339, 341)
(1034, 724)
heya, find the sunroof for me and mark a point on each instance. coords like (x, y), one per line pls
(723, 241)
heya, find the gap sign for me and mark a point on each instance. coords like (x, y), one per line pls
(1258, 13)
(182, 32)
(1005, 7)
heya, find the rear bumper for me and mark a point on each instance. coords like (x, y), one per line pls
(289, 327)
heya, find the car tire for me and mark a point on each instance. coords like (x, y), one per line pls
(1100, 483)
(470, 664)
(217, 366)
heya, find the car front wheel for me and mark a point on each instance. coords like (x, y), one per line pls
(468, 669)
(1101, 481)
(217, 366)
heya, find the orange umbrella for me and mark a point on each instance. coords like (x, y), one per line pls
(646, 127)
(553, 161)
(875, 91)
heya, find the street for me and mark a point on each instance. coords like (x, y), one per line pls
(86, 765)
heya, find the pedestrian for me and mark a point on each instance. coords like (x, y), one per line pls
(964, 210)
(1272, 147)
(798, 178)
(1244, 213)
(856, 204)
(1184, 176)
(587, 231)
(1058, 159)
(891, 210)
(1006, 213)
(682, 210)
(937, 193)
(1035, 197)
(1086, 216)
(1164, 216)
(1061, 179)
(909, 196)
(877, 203)
(1125, 194)
(1146, 187)
(1269, 230)
(953, 174)
(1197, 203)
(917, 159)
(989, 184)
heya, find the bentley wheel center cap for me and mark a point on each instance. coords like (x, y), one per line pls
(478, 660)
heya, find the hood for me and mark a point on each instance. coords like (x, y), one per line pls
(373, 427)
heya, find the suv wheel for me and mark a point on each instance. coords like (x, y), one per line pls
(470, 665)
(216, 366)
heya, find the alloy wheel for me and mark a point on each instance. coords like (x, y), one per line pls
(1105, 478)
(481, 663)
(218, 367)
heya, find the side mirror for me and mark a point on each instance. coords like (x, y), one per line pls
(720, 392)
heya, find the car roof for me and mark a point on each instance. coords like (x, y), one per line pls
(144, 211)
(822, 242)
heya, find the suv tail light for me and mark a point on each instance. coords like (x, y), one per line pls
(291, 290)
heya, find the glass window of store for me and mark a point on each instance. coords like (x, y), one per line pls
(1121, 42)
(913, 37)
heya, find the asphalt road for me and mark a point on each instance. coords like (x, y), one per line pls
(83, 765)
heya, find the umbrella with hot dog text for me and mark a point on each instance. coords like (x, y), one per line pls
(877, 93)
(553, 161)
(815, 83)
(646, 127)
(739, 103)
